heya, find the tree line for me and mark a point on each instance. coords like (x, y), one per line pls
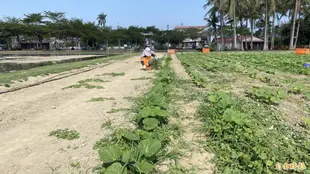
(230, 18)
(94, 35)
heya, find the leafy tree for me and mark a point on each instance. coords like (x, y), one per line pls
(54, 17)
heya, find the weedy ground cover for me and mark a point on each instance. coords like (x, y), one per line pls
(114, 74)
(7, 78)
(100, 99)
(85, 84)
(138, 151)
(113, 110)
(247, 127)
(65, 134)
(142, 78)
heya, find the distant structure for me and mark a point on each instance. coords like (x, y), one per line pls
(190, 43)
(187, 27)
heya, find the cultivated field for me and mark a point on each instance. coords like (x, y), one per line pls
(38, 59)
(225, 112)
(21, 60)
(255, 109)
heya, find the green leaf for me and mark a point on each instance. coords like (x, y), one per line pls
(131, 136)
(234, 154)
(160, 136)
(152, 112)
(150, 123)
(307, 171)
(226, 101)
(145, 167)
(157, 100)
(149, 147)
(307, 96)
(116, 168)
(234, 116)
(263, 156)
(110, 154)
(126, 156)
(269, 163)
(213, 98)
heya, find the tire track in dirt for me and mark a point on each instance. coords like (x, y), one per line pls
(28, 115)
(195, 157)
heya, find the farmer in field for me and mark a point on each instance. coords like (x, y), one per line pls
(146, 57)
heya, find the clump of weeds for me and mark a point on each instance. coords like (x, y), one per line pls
(100, 99)
(84, 83)
(113, 110)
(114, 74)
(65, 134)
(142, 78)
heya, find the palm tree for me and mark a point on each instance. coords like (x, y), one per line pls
(254, 15)
(269, 9)
(230, 7)
(102, 19)
(302, 10)
(298, 24)
(279, 12)
(294, 15)
(232, 13)
(218, 6)
(212, 21)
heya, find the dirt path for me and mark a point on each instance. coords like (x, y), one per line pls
(178, 68)
(27, 116)
(195, 158)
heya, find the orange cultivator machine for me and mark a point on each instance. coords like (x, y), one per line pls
(145, 62)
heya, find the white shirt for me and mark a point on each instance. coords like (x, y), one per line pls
(147, 52)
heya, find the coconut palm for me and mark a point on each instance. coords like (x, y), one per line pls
(102, 19)
(302, 9)
(229, 7)
(293, 15)
(279, 12)
(212, 20)
(217, 7)
(269, 8)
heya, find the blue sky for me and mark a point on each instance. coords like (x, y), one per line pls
(125, 12)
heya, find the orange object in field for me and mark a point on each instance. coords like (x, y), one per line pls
(302, 51)
(146, 62)
(205, 50)
(171, 51)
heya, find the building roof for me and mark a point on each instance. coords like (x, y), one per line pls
(244, 39)
(188, 40)
(187, 27)
(28, 41)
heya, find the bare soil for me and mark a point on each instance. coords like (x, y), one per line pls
(195, 157)
(28, 115)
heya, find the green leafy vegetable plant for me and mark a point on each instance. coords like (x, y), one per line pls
(137, 151)
(266, 95)
(244, 139)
